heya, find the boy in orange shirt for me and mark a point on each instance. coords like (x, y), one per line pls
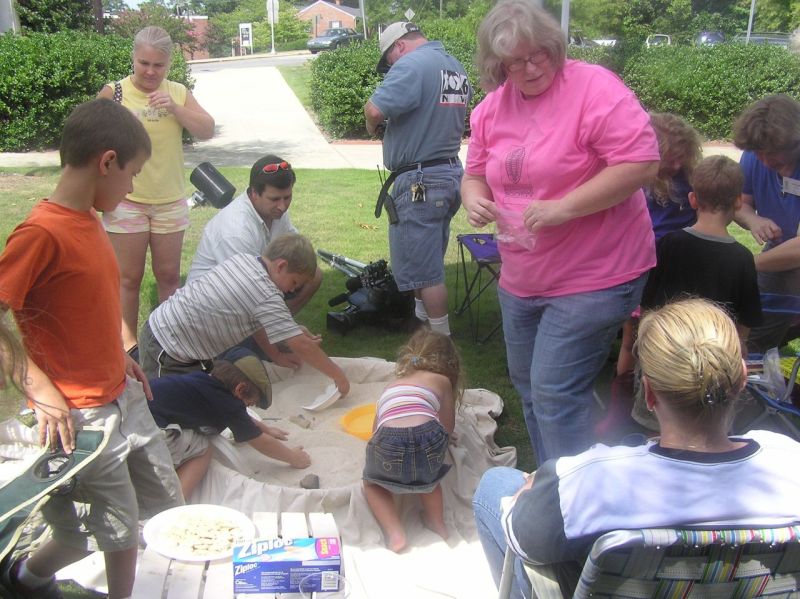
(59, 276)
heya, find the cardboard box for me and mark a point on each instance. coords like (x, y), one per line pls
(278, 565)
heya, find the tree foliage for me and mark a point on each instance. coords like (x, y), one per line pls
(130, 22)
(225, 26)
(49, 16)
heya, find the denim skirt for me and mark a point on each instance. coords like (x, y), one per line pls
(407, 459)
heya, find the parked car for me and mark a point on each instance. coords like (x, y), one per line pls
(333, 38)
(658, 39)
(709, 38)
(770, 38)
(577, 39)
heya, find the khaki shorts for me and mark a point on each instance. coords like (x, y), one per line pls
(102, 512)
(134, 217)
(184, 444)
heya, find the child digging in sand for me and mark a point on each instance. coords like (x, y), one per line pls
(414, 420)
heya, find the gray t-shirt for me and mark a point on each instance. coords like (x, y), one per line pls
(424, 95)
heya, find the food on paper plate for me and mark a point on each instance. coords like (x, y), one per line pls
(201, 535)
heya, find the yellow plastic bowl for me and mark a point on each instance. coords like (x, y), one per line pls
(358, 421)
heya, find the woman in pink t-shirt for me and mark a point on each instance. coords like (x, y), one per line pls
(558, 155)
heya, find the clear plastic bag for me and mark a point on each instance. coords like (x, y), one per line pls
(511, 229)
(773, 375)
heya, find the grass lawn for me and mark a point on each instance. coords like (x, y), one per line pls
(335, 210)
(299, 79)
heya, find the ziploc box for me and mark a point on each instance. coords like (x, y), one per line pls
(277, 565)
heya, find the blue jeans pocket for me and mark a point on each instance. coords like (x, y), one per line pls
(435, 453)
(386, 461)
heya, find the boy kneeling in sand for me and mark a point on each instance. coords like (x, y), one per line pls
(191, 407)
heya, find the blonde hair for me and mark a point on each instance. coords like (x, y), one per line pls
(433, 352)
(296, 250)
(508, 24)
(155, 37)
(677, 141)
(691, 355)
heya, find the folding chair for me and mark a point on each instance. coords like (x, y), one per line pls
(771, 412)
(664, 562)
(482, 249)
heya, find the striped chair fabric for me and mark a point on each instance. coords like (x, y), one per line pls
(682, 564)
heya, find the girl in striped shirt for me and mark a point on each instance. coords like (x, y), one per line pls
(414, 420)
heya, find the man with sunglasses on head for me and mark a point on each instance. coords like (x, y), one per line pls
(251, 221)
(248, 224)
(422, 104)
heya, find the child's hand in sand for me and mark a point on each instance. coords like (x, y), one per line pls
(276, 433)
(300, 459)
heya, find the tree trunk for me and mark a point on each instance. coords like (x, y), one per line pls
(99, 24)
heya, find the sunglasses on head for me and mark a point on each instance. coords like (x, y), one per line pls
(276, 166)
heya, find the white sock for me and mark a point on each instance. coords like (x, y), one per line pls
(441, 325)
(419, 310)
(29, 579)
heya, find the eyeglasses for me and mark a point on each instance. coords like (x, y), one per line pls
(276, 166)
(536, 58)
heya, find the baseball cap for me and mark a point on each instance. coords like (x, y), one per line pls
(389, 36)
(253, 369)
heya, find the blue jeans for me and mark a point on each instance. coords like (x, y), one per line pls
(418, 242)
(495, 484)
(556, 347)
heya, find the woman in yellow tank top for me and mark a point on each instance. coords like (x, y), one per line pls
(155, 213)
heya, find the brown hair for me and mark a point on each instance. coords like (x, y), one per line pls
(679, 142)
(433, 352)
(717, 183)
(508, 24)
(280, 179)
(771, 124)
(296, 250)
(100, 125)
(691, 355)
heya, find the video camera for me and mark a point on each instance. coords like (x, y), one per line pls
(372, 295)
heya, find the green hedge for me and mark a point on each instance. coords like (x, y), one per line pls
(342, 81)
(709, 86)
(44, 76)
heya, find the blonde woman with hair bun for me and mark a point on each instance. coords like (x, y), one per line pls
(694, 474)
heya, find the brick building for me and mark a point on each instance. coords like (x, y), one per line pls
(324, 15)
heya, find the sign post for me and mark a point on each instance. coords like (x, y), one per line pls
(246, 37)
(272, 17)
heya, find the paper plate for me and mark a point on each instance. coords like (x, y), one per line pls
(325, 399)
(358, 421)
(197, 533)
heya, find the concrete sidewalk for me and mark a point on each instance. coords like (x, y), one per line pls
(257, 113)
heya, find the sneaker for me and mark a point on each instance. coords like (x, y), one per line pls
(11, 582)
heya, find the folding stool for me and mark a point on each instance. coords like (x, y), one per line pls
(482, 249)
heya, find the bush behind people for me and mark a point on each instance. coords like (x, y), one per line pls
(709, 86)
(44, 76)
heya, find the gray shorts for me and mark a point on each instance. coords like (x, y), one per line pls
(102, 512)
(418, 242)
(184, 444)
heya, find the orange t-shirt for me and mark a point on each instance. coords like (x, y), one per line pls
(59, 275)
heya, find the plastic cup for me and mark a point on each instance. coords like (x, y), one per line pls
(329, 582)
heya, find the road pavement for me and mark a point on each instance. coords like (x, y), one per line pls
(257, 113)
